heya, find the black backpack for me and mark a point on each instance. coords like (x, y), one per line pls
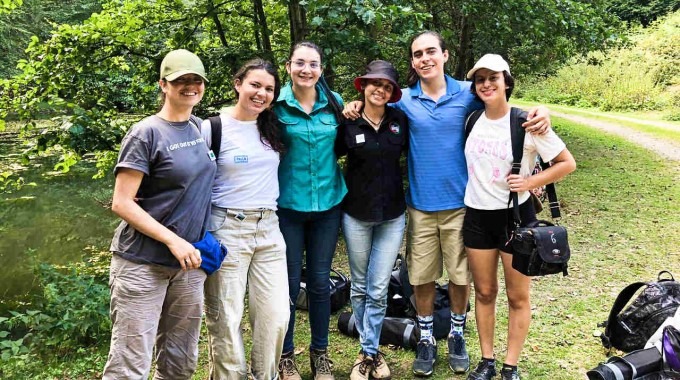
(216, 134)
(630, 329)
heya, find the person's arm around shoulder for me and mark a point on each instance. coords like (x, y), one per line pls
(352, 109)
(562, 164)
(538, 120)
(124, 205)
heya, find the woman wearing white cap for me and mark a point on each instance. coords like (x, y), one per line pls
(488, 152)
(164, 175)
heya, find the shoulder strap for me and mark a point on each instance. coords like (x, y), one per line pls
(621, 300)
(471, 120)
(517, 118)
(216, 133)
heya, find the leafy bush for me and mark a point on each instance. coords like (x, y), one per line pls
(634, 77)
(71, 313)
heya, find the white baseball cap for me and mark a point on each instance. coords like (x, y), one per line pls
(493, 62)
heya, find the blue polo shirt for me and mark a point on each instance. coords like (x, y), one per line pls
(309, 176)
(437, 172)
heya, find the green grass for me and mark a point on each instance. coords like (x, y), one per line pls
(621, 208)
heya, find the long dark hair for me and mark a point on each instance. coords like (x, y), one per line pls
(412, 77)
(337, 110)
(267, 125)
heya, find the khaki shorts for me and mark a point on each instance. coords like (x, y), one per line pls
(435, 240)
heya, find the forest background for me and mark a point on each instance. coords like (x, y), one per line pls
(75, 74)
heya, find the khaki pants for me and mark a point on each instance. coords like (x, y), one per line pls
(153, 304)
(257, 258)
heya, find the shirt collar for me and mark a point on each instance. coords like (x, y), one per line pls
(452, 87)
(287, 96)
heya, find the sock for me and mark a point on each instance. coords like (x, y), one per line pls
(426, 325)
(489, 362)
(457, 323)
(509, 368)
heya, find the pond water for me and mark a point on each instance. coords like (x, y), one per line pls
(58, 221)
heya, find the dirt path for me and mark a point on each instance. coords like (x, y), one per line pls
(666, 149)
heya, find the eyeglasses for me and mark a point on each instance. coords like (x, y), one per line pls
(300, 64)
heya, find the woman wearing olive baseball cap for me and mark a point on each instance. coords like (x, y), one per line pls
(164, 177)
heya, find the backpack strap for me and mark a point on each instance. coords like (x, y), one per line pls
(216, 133)
(517, 133)
(621, 301)
(471, 120)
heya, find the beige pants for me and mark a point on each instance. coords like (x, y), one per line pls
(153, 304)
(257, 258)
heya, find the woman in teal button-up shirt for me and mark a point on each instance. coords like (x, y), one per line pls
(311, 189)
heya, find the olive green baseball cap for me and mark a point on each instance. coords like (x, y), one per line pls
(180, 62)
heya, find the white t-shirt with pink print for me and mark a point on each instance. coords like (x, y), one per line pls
(488, 152)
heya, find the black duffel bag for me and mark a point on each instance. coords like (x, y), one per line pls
(401, 332)
(340, 289)
(629, 329)
(628, 367)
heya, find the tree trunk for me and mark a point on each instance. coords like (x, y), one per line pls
(218, 24)
(298, 21)
(261, 23)
(464, 49)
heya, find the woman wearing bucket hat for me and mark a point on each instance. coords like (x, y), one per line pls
(163, 175)
(373, 218)
(489, 215)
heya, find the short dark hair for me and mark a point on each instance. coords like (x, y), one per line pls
(509, 81)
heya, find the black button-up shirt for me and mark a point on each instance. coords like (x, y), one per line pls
(375, 190)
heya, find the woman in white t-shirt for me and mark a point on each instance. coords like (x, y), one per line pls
(244, 219)
(488, 219)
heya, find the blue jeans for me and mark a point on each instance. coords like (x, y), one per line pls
(315, 233)
(372, 247)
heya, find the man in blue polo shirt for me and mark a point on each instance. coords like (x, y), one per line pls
(437, 106)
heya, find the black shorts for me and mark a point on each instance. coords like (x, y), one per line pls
(491, 229)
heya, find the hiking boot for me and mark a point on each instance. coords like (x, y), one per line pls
(509, 374)
(380, 369)
(362, 367)
(459, 361)
(484, 371)
(287, 368)
(426, 355)
(321, 365)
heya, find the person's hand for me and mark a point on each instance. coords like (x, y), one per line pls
(538, 120)
(352, 109)
(518, 183)
(188, 256)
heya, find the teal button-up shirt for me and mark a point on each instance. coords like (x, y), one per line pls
(309, 175)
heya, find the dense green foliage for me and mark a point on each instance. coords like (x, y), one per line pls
(640, 76)
(85, 74)
(642, 11)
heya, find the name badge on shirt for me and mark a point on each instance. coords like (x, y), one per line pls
(361, 138)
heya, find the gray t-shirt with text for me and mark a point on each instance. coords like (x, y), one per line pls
(178, 176)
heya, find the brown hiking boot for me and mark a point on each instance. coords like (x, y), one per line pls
(362, 367)
(322, 366)
(287, 368)
(380, 369)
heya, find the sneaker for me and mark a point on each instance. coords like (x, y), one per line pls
(459, 361)
(362, 367)
(380, 369)
(322, 366)
(510, 374)
(287, 368)
(426, 355)
(484, 371)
